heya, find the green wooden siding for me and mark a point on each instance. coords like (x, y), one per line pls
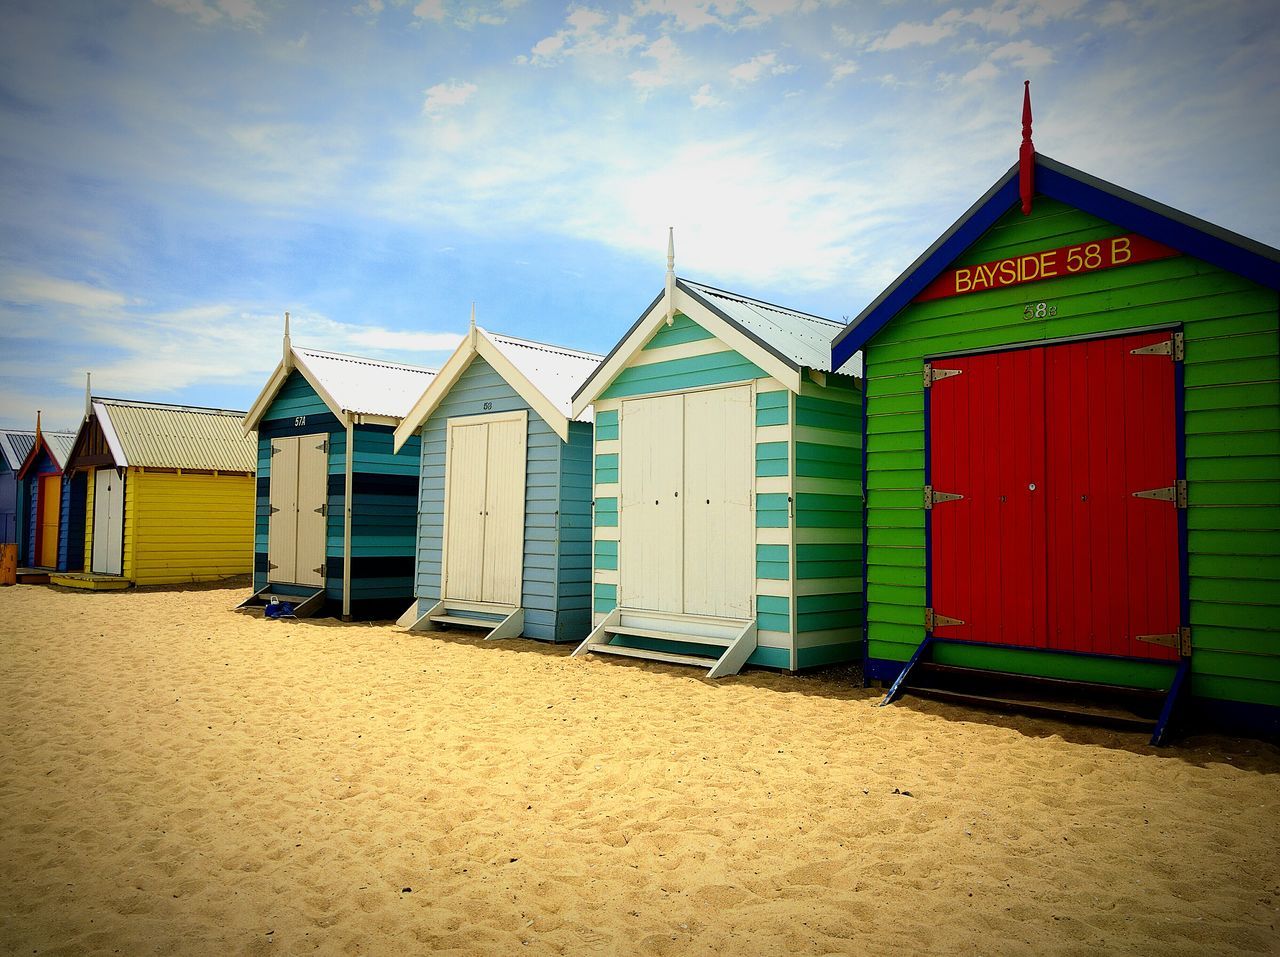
(773, 562)
(771, 408)
(1232, 423)
(607, 512)
(606, 425)
(717, 368)
(606, 554)
(607, 469)
(682, 330)
(772, 458)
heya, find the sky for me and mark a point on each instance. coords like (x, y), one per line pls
(176, 174)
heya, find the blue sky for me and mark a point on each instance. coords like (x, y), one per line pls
(175, 174)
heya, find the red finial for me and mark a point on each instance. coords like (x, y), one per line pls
(1027, 154)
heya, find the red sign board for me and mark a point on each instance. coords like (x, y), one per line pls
(1048, 264)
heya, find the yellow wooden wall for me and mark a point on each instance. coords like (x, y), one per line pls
(187, 527)
(88, 522)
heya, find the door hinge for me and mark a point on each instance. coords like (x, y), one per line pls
(1174, 347)
(932, 621)
(932, 375)
(321, 571)
(272, 566)
(276, 448)
(324, 446)
(1180, 640)
(323, 510)
(932, 498)
(273, 509)
(1176, 493)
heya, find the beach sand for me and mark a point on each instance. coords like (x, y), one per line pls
(177, 778)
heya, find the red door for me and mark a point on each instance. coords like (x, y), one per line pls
(1049, 547)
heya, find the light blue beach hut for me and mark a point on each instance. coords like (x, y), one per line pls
(504, 507)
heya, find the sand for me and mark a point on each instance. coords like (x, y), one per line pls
(177, 778)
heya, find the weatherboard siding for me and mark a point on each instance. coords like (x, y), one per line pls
(1232, 437)
(384, 501)
(71, 522)
(555, 578)
(188, 526)
(793, 630)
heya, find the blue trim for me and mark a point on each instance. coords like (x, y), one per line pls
(928, 512)
(1180, 461)
(866, 495)
(1194, 237)
(901, 680)
(1171, 700)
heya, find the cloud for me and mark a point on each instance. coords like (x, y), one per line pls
(430, 10)
(1023, 53)
(906, 34)
(704, 99)
(758, 66)
(666, 69)
(841, 69)
(587, 33)
(368, 8)
(31, 289)
(446, 96)
(731, 15)
(242, 13)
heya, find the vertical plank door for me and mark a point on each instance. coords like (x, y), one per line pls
(719, 531)
(504, 487)
(49, 506)
(108, 522)
(466, 490)
(987, 548)
(282, 524)
(1113, 559)
(651, 513)
(313, 497)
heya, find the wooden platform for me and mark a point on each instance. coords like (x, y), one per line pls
(89, 581)
(33, 576)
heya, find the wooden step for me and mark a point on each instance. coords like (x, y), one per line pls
(464, 622)
(667, 657)
(1105, 718)
(669, 636)
(1057, 685)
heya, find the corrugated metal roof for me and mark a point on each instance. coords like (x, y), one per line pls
(153, 435)
(15, 444)
(802, 339)
(367, 386)
(60, 444)
(554, 371)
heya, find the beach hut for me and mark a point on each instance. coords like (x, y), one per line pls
(1073, 451)
(504, 507)
(336, 507)
(46, 504)
(14, 446)
(168, 493)
(728, 496)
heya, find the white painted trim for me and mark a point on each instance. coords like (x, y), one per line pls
(683, 350)
(605, 576)
(773, 587)
(728, 334)
(773, 433)
(605, 533)
(772, 484)
(607, 489)
(109, 433)
(773, 536)
(769, 385)
(773, 639)
(607, 447)
(348, 488)
(792, 611)
(477, 343)
(368, 418)
(263, 401)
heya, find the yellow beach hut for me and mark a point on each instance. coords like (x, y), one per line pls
(170, 493)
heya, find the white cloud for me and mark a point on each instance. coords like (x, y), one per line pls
(29, 289)
(446, 96)
(758, 66)
(906, 34)
(726, 14)
(587, 33)
(368, 8)
(666, 69)
(244, 13)
(429, 10)
(841, 69)
(1023, 53)
(984, 71)
(704, 98)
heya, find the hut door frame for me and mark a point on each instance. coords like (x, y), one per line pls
(1056, 525)
(482, 536)
(44, 502)
(298, 499)
(108, 522)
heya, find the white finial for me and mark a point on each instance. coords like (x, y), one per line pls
(288, 344)
(473, 315)
(88, 400)
(671, 274)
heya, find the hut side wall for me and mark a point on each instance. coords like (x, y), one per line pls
(188, 527)
(1232, 428)
(805, 448)
(71, 554)
(549, 534)
(573, 619)
(8, 502)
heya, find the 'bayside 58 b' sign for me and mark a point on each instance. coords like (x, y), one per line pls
(1047, 264)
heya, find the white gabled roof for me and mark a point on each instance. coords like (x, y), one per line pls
(783, 342)
(545, 376)
(351, 386)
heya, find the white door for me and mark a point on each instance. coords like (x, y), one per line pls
(298, 494)
(108, 522)
(485, 468)
(651, 519)
(719, 530)
(313, 496)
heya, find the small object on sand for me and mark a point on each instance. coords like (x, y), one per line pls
(406, 890)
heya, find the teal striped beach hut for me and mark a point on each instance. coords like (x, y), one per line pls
(504, 509)
(336, 514)
(728, 493)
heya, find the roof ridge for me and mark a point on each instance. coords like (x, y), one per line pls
(366, 360)
(545, 346)
(740, 297)
(172, 406)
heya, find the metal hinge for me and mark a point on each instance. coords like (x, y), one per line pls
(932, 621)
(1176, 493)
(323, 510)
(321, 571)
(932, 375)
(1180, 640)
(932, 498)
(276, 448)
(272, 566)
(1174, 347)
(273, 509)
(324, 446)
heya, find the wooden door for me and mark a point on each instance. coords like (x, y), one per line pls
(1049, 547)
(719, 531)
(49, 509)
(504, 486)
(651, 512)
(312, 502)
(108, 522)
(282, 525)
(466, 489)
